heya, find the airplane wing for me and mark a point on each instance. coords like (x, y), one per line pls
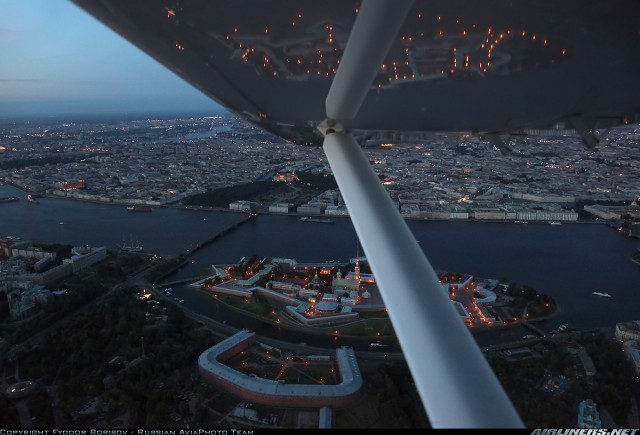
(319, 72)
(486, 66)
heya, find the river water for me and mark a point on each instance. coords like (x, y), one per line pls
(568, 261)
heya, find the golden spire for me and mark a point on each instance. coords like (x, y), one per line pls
(357, 268)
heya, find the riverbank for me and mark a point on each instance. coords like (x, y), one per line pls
(635, 257)
(546, 257)
(367, 327)
(174, 204)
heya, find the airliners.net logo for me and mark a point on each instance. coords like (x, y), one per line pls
(585, 432)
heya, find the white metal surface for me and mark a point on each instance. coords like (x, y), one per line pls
(376, 27)
(456, 384)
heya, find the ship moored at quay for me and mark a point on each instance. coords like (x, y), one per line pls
(141, 208)
(316, 219)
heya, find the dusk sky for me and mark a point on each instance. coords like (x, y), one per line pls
(58, 59)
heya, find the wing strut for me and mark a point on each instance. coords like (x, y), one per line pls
(456, 384)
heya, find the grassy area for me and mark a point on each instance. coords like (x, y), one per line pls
(390, 400)
(225, 195)
(379, 327)
(308, 186)
(370, 325)
(312, 185)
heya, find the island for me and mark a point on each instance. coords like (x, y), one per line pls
(343, 299)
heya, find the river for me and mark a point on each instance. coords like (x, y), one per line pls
(568, 261)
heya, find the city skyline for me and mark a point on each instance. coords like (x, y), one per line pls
(59, 60)
(490, 251)
(249, 72)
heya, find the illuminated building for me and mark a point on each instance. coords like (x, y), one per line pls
(274, 393)
(588, 415)
(339, 283)
(66, 186)
(285, 178)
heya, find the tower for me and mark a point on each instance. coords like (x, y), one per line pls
(356, 272)
(315, 282)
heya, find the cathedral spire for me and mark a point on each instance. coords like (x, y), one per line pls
(356, 271)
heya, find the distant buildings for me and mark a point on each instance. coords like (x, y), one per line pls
(628, 330)
(311, 209)
(611, 212)
(629, 334)
(23, 276)
(85, 256)
(245, 206)
(21, 305)
(146, 162)
(586, 362)
(485, 210)
(281, 207)
(22, 270)
(336, 210)
(286, 177)
(588, 415)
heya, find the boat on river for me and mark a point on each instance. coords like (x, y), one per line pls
(142, 208)
(316, 219)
